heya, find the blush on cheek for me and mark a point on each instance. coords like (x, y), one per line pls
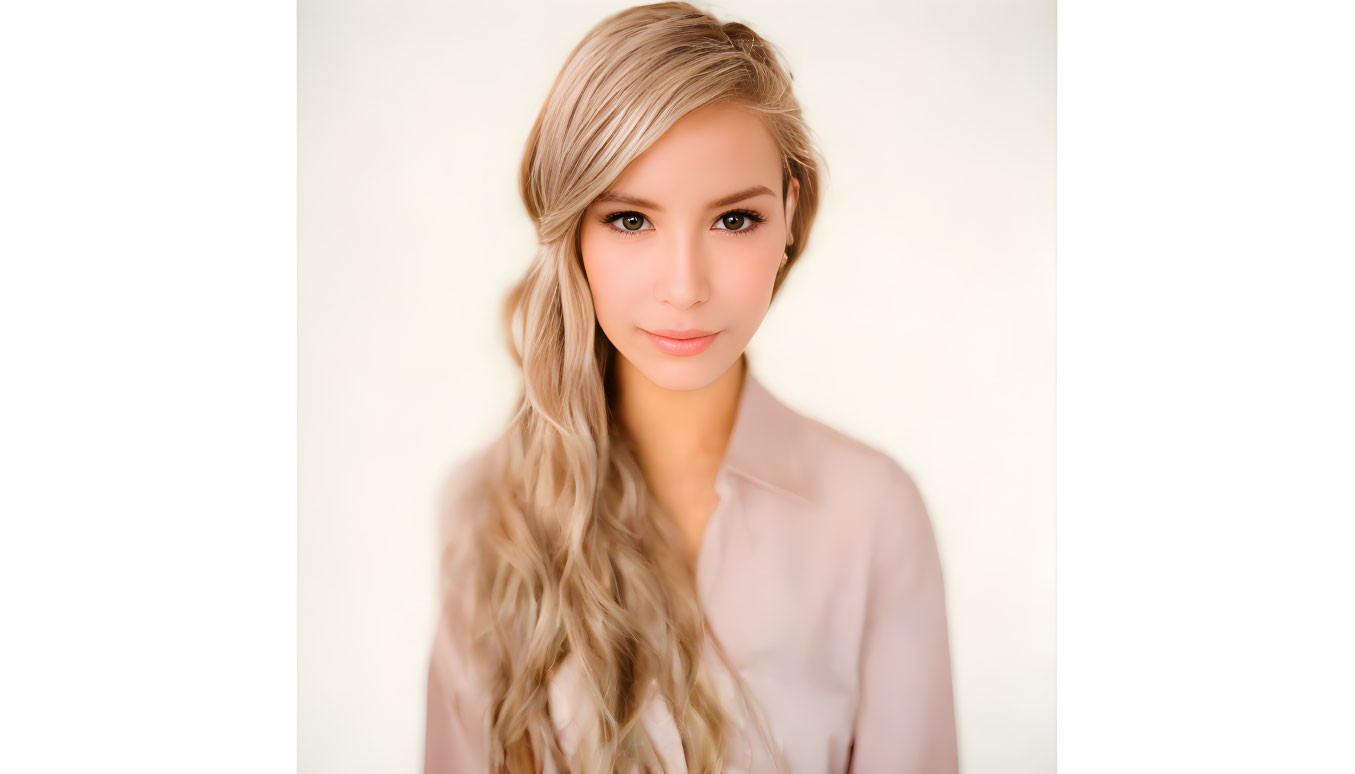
(620, 290)
(748, 282)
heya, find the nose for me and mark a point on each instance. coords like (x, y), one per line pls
(683, 280)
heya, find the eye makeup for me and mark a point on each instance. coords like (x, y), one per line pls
(751, 221)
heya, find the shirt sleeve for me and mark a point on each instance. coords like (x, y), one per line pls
(905, 718)
(451, 742)
(444, 744)
(455, 738)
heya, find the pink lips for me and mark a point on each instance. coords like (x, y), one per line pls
(682, 343)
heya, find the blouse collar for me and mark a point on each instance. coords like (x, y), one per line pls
(766, 445)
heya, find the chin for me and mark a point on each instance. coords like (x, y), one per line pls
(685, 373)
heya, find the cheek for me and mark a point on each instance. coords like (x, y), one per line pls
(616, 284)
(746, 282)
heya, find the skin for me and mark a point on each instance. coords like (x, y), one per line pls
(682, 262)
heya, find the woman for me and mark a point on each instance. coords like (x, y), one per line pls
(659, 566)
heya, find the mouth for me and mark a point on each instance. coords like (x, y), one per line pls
(682, 343)
(690, 333)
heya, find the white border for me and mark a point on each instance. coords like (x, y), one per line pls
(147, 427)
(1206, 340)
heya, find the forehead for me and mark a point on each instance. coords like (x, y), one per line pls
(710, 152)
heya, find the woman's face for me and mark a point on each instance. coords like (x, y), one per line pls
(687, 243)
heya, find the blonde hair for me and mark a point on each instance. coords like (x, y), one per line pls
(572, 554)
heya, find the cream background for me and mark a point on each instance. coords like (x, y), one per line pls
(921, 320)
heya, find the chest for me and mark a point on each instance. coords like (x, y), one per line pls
(784, 590)
(782, 596)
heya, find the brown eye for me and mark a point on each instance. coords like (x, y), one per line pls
(631, 222)
(739, 221)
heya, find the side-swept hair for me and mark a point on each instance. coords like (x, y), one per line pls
(572, 553)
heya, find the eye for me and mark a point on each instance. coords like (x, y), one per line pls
(734, 221)
(631, 222)
(739, 221)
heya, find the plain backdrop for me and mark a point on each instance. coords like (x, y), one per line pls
(920, 321)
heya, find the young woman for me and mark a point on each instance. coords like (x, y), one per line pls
(660, 566)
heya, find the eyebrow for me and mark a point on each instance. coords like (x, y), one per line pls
(621, 198)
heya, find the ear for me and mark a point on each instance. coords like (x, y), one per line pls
(792, 198)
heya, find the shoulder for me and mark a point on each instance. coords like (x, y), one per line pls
(462, 502)
(850, 467)
(852, 478)
(461, 499)
(462, 494)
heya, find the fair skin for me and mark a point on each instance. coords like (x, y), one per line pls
(687, 252)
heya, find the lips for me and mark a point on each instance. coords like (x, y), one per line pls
(690, 333)
(681, 343)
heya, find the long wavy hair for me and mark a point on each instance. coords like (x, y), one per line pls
(572, 554)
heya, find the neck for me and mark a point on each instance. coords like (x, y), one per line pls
(678, 431)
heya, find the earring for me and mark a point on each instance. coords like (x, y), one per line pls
(785, 256)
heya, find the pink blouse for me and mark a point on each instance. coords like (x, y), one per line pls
(820, 576)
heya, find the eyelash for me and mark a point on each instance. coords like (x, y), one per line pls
(754, 218)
